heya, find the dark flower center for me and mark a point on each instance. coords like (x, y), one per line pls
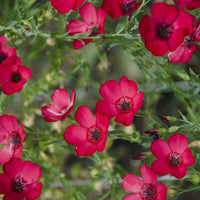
(94, 30)
(17, 186)
(127, 5)
(2, 57)
(174, 160)
(15, 77)
(188, 41)
(124, 104)
(163, 31)
(148, 192)
(94, 134)
(14, 139)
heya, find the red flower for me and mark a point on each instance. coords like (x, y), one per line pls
(19, 180)
(173, 158)
(5, 51)
(64, 6)
(120, 100)
(91, 135)
(61, 108)
(185, 50)
(145, 188)
(189, 4)
(13, 75)
(165, 30)
(118, 8)
(93, 24)
(12, 136)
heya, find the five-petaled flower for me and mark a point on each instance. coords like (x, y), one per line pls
(13, 75)
(64, 6)
(185, 50)
(165, 30)
(189, 4)
(145, 188)
(62, 106)
(118, 8)
(18, 182)
(120, 100)
(5, 50)
(12, 136)
(91, 135)
(93, 24)
(173, 158)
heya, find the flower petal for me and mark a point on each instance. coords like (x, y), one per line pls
(160, 167)
(75, 135)
(125, 118)
(132, 183)
(85, 117)
(106, 108)
(178, 173)
(178, 143)
(76, 26)
(128, 88)
(188, 159)
(138, 100)
(161, 191)
(85, 149)
(160, 149)
(148, 175)
(110, 91)
(88, 13)
(132, 197)
(102, 121)
(61, 98)
(5, 183)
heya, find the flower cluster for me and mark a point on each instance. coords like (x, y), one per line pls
(167, 30)
(121, 100)
(19, 178)
(173, 158)
(13, 75)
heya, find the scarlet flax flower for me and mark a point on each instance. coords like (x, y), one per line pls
(61, 108)
(64, 6)
(145, 188)
(184, 51)
(18, 182)
(118, 8)
(189, 4)
(13, 75)
(5, 50)
(11, 137)
(173, 158)
(93, 22)
(166, 29)
(91, 135)
(120, 100)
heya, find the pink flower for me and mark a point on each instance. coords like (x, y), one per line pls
(91, 135)
(173, 158)
(19, 180)
(189, 4)
(184, 51)
(61, 108)
(64, 6)
(12, 136)
(165, 30)
(145, 188)
(5, 51)
(120, 100)
(93, 24)
(13, 75)
(118, 8)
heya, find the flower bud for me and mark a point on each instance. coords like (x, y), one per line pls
(168, 118)
(195, 179)
(139, 156)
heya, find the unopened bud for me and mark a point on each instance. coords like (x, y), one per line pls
(152, 131)
(168, 118)
(27, 27)
(139, 156)
(195, 179)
